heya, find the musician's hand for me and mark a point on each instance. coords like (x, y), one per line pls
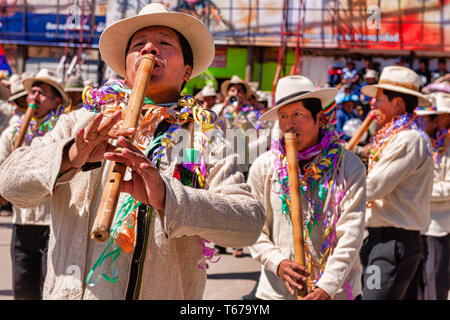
(366, 150)
(293, 275)
(146, 185)
(92, 142)
(317, 294)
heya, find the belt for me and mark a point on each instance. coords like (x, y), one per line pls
(393, 232)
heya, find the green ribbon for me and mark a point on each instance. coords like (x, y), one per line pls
(32, 105)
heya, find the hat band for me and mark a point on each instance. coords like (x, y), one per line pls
(405, 85)
(291, 96)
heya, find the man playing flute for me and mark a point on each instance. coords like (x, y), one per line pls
(333, 195)
(169, 223)
(31, 229)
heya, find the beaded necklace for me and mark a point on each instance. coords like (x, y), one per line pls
(319, 176)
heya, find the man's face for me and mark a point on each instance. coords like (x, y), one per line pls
(209, 102)
(370, 80)
(441, 66)
(169, 71)
(430, 125)
(238, 91)
(443, 121)
(383, 108)
(295, 117)
(348, 106)
(44, 98)
(21, 103)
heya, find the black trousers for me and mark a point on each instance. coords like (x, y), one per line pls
(390, 258)
(29, 246)
(435, 268)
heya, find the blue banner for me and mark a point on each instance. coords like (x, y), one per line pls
(51, 29)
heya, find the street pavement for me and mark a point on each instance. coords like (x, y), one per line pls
(228, 279)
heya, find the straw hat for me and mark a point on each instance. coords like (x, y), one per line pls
(398, 79)
(17, 89)
(440, 103)
(74, 84)
(295, 88)
(114, 40)
(208, 91)
(48, 77)
(235, 80)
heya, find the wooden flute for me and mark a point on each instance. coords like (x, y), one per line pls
(31, 110)
(111, 191)
(353, 142)
(296, 205)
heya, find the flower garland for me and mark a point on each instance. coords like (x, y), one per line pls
(113, 96)
(319, 175)
(39, 127)
(390, 130)
(440, 144)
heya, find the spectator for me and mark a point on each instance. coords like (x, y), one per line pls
(424, 73)
(207, 96)
(350, 74)
(370, 77)
(345, 113)
(334, 74)
(368, 65)
(440, 71)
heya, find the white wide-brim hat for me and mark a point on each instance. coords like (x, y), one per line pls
(295, 88)
(48, 77)
(235, 80)
(398, 79)
(114, 39)
(440, 103)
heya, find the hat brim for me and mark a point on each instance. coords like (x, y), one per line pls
(74, 89)
(28, 83)
(17, 95)
(326, 96)
(426, 112)
(114, 40)
(227, 83)
(371, 91)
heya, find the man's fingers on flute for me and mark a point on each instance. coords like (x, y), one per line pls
(125, 143)
(109, 123)
(91, 131)
(116, 133)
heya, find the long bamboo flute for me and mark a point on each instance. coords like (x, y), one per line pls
(31, 110)
(111, 191)
(296, 206)
(353, 142)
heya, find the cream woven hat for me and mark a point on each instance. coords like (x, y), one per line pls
(49, 77)
(114, 40)
(398, 79)
(234, 80)
(442, 102)
(74, 84)
(17, 89)
(295, 88)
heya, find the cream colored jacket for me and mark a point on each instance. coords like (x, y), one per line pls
(276, 242)
(400, 184)
(439, 225)
(39, 215)
(226, 214)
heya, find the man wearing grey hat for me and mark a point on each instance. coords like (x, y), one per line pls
(399, 184)
(159, 247)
